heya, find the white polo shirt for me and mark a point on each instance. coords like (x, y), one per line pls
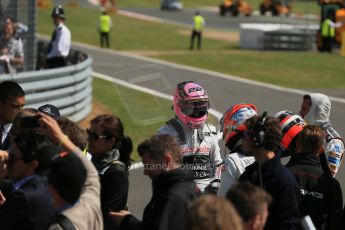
(62, 43)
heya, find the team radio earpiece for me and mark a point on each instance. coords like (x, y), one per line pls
(258, 133)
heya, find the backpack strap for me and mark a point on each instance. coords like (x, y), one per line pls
(201, 134)
(64, 223)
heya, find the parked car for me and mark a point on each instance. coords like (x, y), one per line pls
(171, 5)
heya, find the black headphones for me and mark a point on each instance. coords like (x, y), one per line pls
(258, 132)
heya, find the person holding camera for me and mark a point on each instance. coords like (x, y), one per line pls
(261, 140)
(5, 66)
(15, 51)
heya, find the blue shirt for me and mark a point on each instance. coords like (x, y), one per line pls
(20, 183)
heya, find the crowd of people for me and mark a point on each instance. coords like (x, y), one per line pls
(56, 175)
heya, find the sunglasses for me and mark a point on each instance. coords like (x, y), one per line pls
(94, 136)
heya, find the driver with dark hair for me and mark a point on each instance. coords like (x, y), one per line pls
(261, 140)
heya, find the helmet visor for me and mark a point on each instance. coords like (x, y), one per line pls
(195, 109)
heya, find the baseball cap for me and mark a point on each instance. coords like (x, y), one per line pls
(50, 110)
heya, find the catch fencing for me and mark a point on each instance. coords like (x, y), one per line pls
(68, 88)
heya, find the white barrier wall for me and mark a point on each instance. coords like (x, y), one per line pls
(252, 35)
(68, 88)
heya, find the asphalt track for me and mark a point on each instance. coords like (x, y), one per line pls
(213, 20)
(223, 90)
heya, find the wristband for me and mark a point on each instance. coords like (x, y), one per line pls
(62, 141)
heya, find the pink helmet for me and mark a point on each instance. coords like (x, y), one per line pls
(191, 104)
(232, 123)
(291, 125)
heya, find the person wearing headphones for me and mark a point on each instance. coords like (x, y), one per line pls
(60, 43)
(262, 139)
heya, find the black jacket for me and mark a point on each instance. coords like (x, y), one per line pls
(114, 191)
(172, 192)
(282, 186)
(30, 207)
(321, 195)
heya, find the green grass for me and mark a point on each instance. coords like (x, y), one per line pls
(156, 3)
(305, 70)
(128, 33)
(301, 7)
(306, 7)
(142, 114)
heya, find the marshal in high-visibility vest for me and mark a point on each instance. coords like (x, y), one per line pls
(327, 30)
(328, 33)
(198, 25)
(104, 28)
(199, 22)
(105, 23)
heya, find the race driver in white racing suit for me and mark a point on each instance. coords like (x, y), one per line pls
(315, 110)
(235, 162)
(198, 141)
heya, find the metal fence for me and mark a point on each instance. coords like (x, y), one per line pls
(23, 11)
(68, 88)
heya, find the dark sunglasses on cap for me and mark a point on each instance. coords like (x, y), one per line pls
(94, 136)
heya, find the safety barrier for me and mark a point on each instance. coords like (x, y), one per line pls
(289, 40)
(278, 36)
(68, 88)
